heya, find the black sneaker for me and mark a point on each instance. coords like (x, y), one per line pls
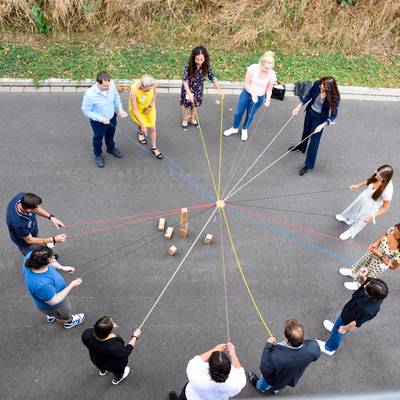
(115, 152)
(126, 373)
(253, 378)
(303, 171)
(293, 148)
(99, 161)
(172, 396)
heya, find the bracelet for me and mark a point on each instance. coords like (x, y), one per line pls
(134, 336)
(54, 241)
(50, 216)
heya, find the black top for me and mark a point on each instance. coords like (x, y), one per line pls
(282, 366)
(108, 355)
(360, 308)
(326, 114)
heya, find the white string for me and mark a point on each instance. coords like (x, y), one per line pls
(178, 268)
(267, 167)
(252, 165)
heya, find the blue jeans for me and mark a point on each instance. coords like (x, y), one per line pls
(335, 339)
(101, 131)
(246, 104)
(262, 385)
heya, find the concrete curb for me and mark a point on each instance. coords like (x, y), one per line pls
(55, 85)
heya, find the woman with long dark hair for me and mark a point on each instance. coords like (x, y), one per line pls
(322, 109)
(373, 202)
(194, 75)
(383, 254)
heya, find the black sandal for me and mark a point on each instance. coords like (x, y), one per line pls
(142, 141)
(159, 156)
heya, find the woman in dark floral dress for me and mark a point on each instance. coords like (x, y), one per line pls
(194, 75)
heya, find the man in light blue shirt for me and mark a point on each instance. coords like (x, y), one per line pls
(101, 103)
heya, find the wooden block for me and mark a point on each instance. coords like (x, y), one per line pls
(208, 238)
(172, 250)
(184, 215)
(169, 232)
(184, 229)
(161, 224)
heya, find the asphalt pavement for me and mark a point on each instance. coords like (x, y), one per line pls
(282, 225)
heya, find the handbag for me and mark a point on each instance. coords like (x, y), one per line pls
(278, 91)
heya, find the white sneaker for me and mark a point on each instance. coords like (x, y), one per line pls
(328, 325)
(343, 219)
(230, 131)
(126, 373)
(351, 285)
(103, 373)
(345, 235)
(323, 349)
(50, 318)
(345, 271)
(77, 319)
(244, 134)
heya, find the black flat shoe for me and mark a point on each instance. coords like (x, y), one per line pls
(293, 148)
(303, 171)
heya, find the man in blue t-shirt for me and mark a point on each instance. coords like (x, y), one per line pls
(22, 223)
(362, 307)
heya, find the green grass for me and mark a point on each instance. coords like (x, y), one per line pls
(82, 61)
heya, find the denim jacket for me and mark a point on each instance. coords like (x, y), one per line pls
(326, 114)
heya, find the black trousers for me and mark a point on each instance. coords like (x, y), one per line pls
(311, 121)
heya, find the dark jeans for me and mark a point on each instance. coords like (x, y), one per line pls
(246, 105)
(101, 131)
(26, 250)
(336, 338)
(182, 396)
(311, 121)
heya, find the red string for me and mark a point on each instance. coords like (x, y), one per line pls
(301, 227)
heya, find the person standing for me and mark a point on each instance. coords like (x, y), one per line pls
(101, 104)
(284, 363)
(322, 109)
(364, 305)
(258, 84)
(194, 75)
(107, 350)
(22, 223)
(47, 287)
(213, 376)
(373, 202)
(383, 254)
(142, 110)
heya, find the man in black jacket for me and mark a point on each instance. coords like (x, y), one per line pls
(284, 363)
(362, 307)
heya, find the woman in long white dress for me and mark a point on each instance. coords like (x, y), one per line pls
(373, 202)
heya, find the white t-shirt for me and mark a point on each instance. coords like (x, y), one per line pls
(260, 85)
(202, 387)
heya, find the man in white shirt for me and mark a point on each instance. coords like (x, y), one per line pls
(213, 376)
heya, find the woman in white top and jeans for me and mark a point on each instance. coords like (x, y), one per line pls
(213, 376)
(373, 202)
(258, 84)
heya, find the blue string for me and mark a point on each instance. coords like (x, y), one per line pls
(289, 235)
(170, 164)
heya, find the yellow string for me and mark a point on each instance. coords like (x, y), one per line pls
(220, 149)
(206, 153)
(243, 276)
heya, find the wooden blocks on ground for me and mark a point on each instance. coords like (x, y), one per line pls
(172, 250)
(169, 232)
(208, 238)
(161, 224)
(184, 227)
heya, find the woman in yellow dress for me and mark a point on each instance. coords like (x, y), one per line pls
(142, 111)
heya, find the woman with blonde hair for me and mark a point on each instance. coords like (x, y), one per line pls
(142, 110)
(258, 84)
(373, 202)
